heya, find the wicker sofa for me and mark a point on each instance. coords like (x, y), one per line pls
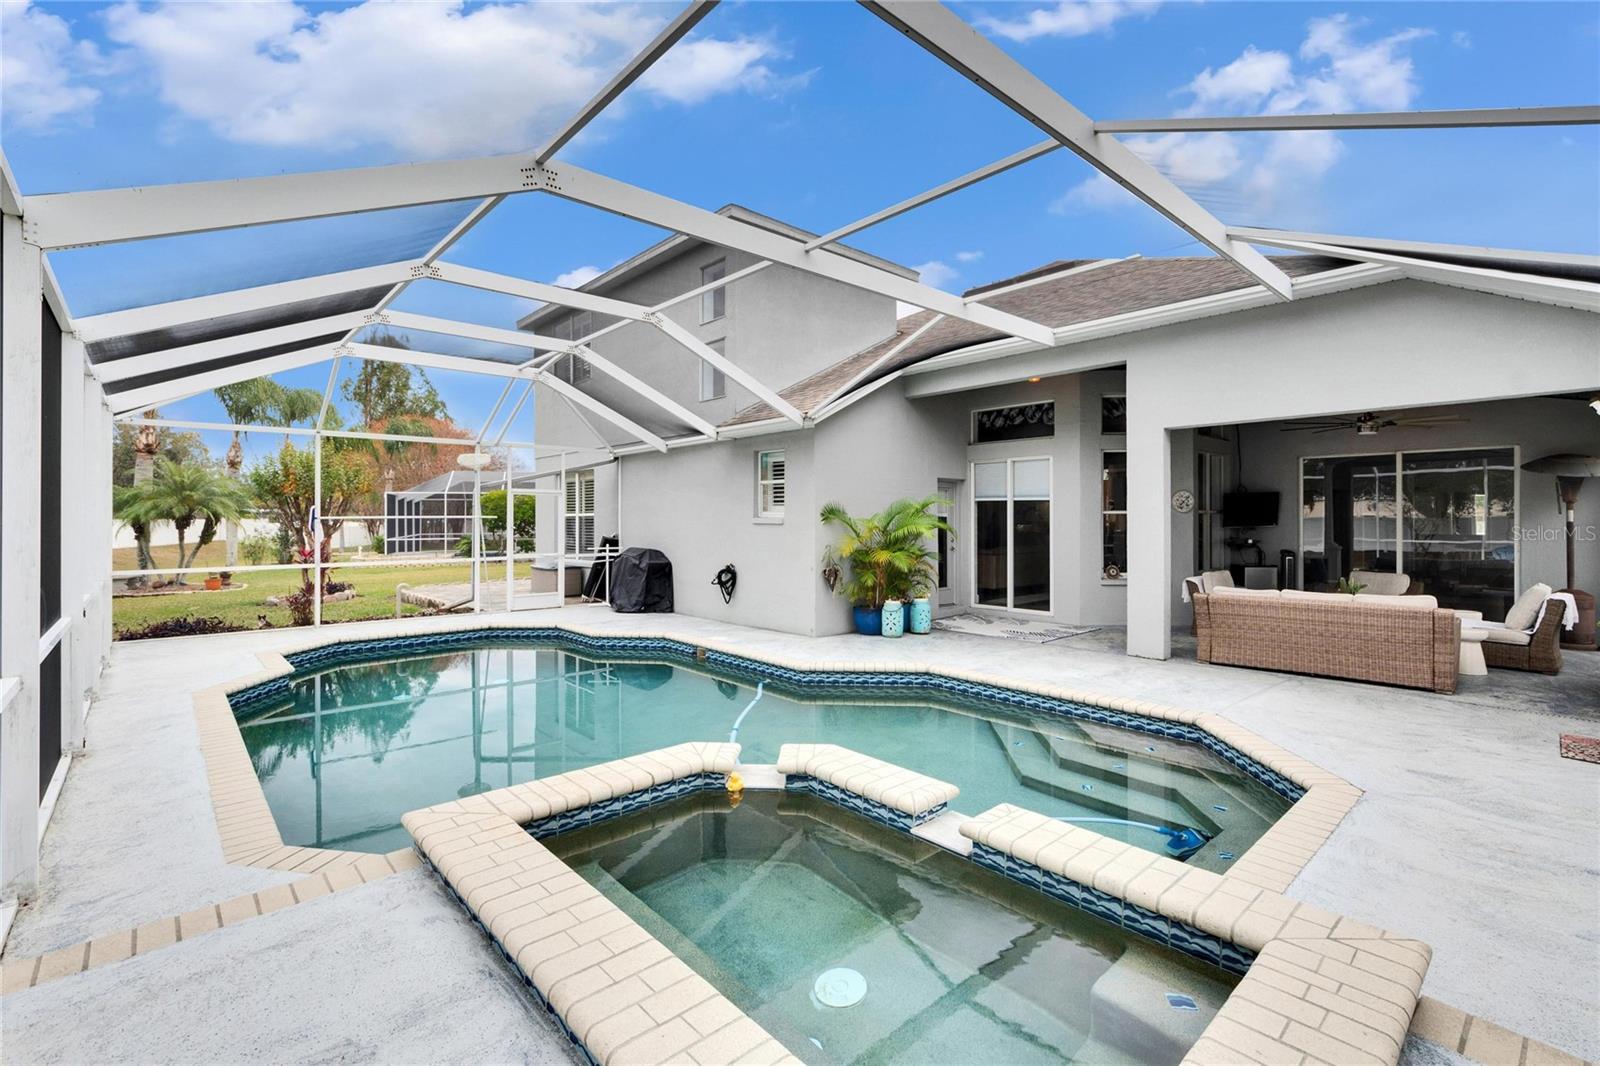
(1391, 640)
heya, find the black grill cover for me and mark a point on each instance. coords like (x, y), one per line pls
(641, 582)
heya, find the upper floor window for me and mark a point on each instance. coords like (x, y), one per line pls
(771, 484)
(713, 382)
(572, 368)
(580, 325)
(1014, 423)
(713, 302)
(1113, 415)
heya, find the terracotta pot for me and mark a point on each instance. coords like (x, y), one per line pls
(213, 584)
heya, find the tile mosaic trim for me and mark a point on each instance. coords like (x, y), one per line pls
(1147, 923)
(859, 804)
(627, 803)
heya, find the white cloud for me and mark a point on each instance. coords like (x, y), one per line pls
(434, 79)
(1333, 70)
(41, 67)
(937, 273)
(577, 277)
(1461, 39)
(968, 257)
(1068, 18)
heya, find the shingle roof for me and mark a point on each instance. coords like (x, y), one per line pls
(1132, 285)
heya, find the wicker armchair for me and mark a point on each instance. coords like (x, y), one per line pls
(1542, 653)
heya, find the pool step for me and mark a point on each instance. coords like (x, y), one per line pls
(1036, 769)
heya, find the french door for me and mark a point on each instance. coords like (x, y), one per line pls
(1011, 534)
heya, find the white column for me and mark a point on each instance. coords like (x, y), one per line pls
(1149, 524)
(19, 561)
(76, 486)
(102, 526)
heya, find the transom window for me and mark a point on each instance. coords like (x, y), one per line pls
(713, 304)
(1018, 422)
(771, 484)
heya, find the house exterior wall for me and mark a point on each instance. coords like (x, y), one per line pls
(772, 327)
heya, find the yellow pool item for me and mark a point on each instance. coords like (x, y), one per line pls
(735, 783)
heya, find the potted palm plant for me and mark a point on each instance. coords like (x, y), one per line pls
(886, 553)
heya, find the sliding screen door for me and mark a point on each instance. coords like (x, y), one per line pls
(1011, 560)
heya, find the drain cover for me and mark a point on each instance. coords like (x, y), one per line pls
(840, 987)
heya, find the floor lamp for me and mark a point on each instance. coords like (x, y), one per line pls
(1569, 471)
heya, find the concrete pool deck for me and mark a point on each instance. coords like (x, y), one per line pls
(1465, 795)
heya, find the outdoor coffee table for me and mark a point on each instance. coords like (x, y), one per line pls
(1472, 663)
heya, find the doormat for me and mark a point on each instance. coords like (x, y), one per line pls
(1584, 749)
(1009, 628)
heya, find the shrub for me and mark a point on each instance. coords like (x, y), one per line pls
(303, 604)
(283, 543)
(258, 548)
(376, 540)
(178, 627)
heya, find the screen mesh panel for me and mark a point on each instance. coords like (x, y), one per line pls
(157, 377)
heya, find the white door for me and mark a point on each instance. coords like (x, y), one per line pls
(536, 579)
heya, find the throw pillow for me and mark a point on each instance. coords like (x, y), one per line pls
(1526, 609)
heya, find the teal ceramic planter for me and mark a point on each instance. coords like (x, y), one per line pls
(919, 615)
(894, 619)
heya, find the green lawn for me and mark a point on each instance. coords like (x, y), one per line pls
(243, 607)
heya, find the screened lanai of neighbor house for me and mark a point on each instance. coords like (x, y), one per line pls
(1169, 453)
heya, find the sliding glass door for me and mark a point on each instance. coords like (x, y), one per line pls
(1446, 518)
(1011, 511)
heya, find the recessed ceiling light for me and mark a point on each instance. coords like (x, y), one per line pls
(1595, 403)
(1035, 381)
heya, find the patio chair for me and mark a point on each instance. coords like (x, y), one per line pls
(1530, 637)
(1381, 582)
(1205, 582)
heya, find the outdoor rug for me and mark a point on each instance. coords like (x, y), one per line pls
(1009, 628)
(1584, 749)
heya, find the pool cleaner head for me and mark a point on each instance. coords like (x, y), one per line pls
(1184, 842)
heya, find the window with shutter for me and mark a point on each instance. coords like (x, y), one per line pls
(714, 302)
(713, 384)
(771, 484)
(580, 512)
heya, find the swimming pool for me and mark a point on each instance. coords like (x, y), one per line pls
(853, 943)
(343, 751)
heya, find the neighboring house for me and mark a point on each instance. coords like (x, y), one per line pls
(1077, 471)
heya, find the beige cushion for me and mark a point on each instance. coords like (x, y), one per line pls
(1230, 593)
(1507, 636)
(1526, 609)
(1380, 583)
(1318, 597)
(1211, 580)
(1400, 603)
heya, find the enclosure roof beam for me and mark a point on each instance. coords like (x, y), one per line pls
(111, 216)
(583, 399)
(534, 290)
(1583, 115)
(645, 390)
(470, 330)
(114, 370)
(670, 35)
(999, 166)
(383, 353)
(608, 194)
(180, 388)
(238, 301)
(729, 368)
(947, 36)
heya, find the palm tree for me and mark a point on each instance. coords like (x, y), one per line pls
(184, 494)
(132, 507)
(889, 552)
(259, 401)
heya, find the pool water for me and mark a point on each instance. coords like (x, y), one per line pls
(352, 748)
(943, 961)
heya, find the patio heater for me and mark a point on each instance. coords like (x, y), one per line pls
(475, 461)
(1570, 470)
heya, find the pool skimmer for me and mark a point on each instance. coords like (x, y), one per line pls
(839, 987)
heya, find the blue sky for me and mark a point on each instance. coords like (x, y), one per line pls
(815, 113)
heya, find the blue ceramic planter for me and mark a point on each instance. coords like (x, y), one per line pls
(869, 621)
(894, 619)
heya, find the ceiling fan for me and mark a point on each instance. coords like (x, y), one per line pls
(1366, 425)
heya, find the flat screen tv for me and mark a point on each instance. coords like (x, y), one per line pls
(1249, 509)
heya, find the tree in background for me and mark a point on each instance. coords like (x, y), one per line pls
(284, 484)
(260, 402)
(493, 506)
(182, 448)
(382, 391)
(186, 494)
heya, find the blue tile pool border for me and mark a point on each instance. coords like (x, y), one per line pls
(856, 803)
(857, 682)
(627, 803)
